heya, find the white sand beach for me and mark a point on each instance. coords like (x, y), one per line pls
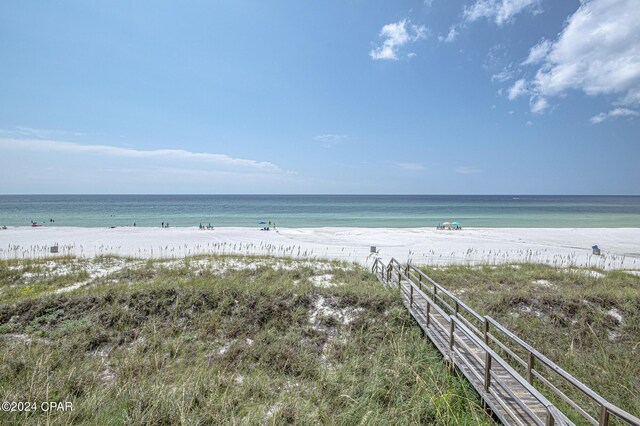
(555, 246)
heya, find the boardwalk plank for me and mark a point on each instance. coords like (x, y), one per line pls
(502, 402)
(510, 397)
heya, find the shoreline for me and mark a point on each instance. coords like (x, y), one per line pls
(554, 246)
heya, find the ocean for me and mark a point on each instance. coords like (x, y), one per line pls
(368, 211)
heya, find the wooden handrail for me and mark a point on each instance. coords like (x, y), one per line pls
(608, 407)
(408, 273)
(454, 298)
(504, 364)
(448, 293)
(621, 414)
(546, 361)
(428, 299)
(457, 303)
(505, 348)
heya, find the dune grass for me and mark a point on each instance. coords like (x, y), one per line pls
(586, 321)
(219, 340)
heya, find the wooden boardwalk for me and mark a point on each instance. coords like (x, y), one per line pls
(465, 340)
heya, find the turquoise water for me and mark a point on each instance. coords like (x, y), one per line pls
(321, 210)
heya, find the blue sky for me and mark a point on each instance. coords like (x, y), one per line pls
(350, 96)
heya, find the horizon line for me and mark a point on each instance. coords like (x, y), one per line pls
(325, 194)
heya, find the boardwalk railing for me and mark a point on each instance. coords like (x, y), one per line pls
(508, 373)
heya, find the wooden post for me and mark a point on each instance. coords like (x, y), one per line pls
(487, 371)
(550, 420)
(457, 309)
(530, 361)
(485, 331)
(435, 289)
(420, 281)
(428, 313)
(452, 328)
(411, 296)
(604, 416)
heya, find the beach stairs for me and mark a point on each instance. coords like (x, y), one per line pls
(512, 378)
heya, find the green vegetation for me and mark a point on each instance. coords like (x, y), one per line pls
(586, 321)
(213, 340)
(32, 278)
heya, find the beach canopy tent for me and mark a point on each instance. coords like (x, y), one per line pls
(264, 228)
(456, 225)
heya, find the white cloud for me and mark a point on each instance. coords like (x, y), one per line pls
(598, 53)
(220, 160)
(500, 11)
(467, 170)
(396, 35)
(538, 104)
(519, 88)
(538, 52)
(329, 140)
(30, 132)
(505, 75)
(618, 112)
(597, 119)
(410, 166)
(451, 36)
